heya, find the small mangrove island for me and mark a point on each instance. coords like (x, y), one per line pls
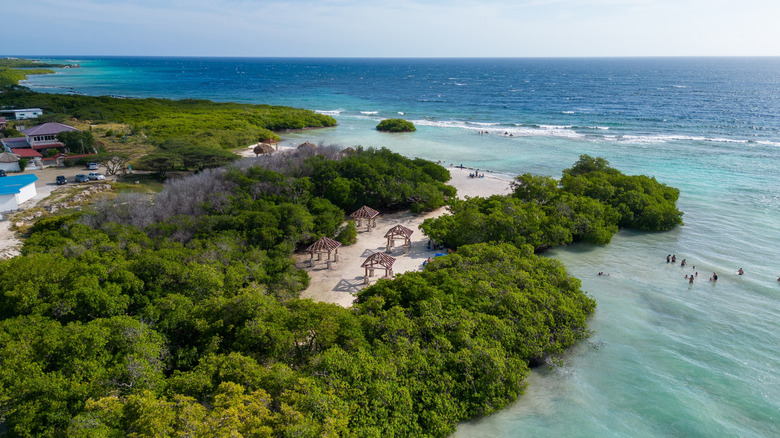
(395, 125)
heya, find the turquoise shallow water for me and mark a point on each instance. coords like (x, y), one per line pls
(666, 358)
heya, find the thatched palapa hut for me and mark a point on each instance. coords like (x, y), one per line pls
(321, 246)
(399, 232)
(368, 213)
(307, 146)
(378, 260)
(263, 149)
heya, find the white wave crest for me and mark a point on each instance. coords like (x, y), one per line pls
(550, 127)
(369, 113)
(646, 139)
(329, 112)
(503, 130)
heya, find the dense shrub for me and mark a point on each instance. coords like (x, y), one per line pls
(395, 125)
(348, 234)
(590, 204)
(642, 202)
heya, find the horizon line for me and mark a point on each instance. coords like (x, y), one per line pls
(395, 57)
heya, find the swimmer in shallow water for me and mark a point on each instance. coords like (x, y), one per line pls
(740, 272)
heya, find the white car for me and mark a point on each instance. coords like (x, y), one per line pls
(96, 176)
(93, 166)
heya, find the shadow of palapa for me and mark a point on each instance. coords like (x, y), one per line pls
(370, 251)
(352, 286)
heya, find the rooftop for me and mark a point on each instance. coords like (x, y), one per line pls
(19, 110)
(8, 157)
(15, 142)
(26, 153)
(50, 128)
(11, 185)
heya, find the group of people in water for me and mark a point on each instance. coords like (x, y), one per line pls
(506, 133)
(672, 258)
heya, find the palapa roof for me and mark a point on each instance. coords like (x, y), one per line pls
(263, 148)
(378, 258)
(365, 212)
(307, 146)
(8, 157)
(323, 244)
(399, 230)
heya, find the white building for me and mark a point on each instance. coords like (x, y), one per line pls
(9, 162)
(16, 189)
(21, 114)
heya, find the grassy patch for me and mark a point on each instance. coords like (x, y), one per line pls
(139, 183)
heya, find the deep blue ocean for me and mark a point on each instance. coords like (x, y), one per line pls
(666, 358)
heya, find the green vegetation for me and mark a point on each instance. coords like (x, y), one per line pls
(12, 76)
(395, 125)
(77, 141)
(27, 63)
(195, 122)
(642, 202)
(380, 177)
(194, 133)
(178, 315)
(589, 204)
(14, 70)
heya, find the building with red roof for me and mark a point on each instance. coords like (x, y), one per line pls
(27, 153)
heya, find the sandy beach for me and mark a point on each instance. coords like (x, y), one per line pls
(341, 283)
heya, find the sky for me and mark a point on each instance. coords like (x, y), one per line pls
(402, 28)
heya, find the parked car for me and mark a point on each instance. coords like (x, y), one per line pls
(81, 178)
(2, 172)
(61, 180)
(93, 166)
(96, 176)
